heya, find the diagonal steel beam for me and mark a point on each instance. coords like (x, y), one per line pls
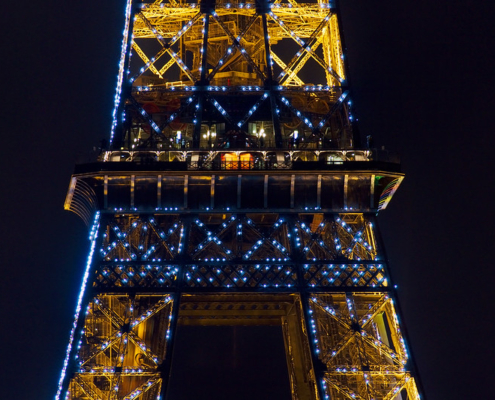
(167, 66)
(329, 311)
(377, 307)
(178, 113)
(299, 114)
(204, 244)
(114, 318)
(308, 46)
(162, 240)
(220, 109)
(316, 238)
(285, 75)
(166, 46)
(292, 75)
(145, 115)
(145, 59)
(252, 110)
(397, 388)
(347, 392)
(109, 342)
(235, 44)
(264, 238)
(330, 113)
(142, 389)
(134, 338)
(152, 311)
(87, 389)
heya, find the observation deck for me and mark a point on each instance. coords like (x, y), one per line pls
(234, 180)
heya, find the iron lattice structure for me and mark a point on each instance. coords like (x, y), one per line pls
(234, 191)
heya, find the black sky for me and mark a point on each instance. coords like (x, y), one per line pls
(423, 81)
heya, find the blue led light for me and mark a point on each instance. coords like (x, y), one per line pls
(120, 79)
(93, 236)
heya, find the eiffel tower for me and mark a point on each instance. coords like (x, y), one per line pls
(234, 191)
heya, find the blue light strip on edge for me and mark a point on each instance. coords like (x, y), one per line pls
(120, 78)
(92, 236)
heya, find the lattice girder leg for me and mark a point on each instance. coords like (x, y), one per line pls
(341, 333)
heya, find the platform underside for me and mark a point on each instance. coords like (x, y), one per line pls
(128, 187)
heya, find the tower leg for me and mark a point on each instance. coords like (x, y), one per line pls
(166, 367)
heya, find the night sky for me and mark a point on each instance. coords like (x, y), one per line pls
(423, 83)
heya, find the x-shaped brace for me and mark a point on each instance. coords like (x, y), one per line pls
(235, 44)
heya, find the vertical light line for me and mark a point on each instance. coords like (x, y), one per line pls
(133, 190)
(212, 192)
(186, 189)
(105, 192)
(92, 236)
(265, 192)
(318, 192)
(159, 192)
(372, 191)
(120, 78)
(292, 187)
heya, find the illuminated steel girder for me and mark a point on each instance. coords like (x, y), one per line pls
(234, 192)
(184, 63)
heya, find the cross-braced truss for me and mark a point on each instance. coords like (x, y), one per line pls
(121, 347)
(358, 338)
(266, 73)
(240, 251)
(329, 262)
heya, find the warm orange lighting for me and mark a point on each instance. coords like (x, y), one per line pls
(234, 161)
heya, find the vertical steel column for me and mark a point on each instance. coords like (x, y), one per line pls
(319, 367)
(206, 8)
(262, 8)
(166, 367)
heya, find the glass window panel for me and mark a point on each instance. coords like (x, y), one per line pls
(145, 192)
(305, 191)
(173, 191)
(226, 192)
(119, 191)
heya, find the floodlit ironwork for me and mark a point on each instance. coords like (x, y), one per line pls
(234, 191)
(256, 74)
